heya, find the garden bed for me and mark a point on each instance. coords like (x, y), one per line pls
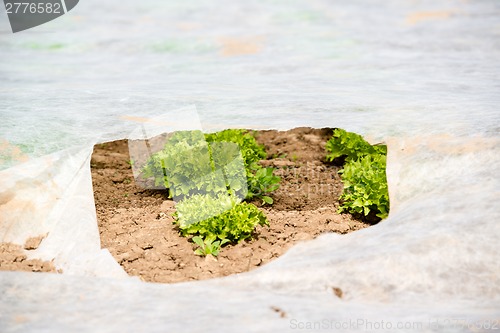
(136, 224)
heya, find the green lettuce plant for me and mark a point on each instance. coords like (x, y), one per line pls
(220, 218)
(363, 174)
(194, 163)
(260, 181)
(184, 166)
(209, 175)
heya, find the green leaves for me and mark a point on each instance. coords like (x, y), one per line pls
(234, 224)
(201, 207)
(251, 151)
(209, 175)
(185, 167)
(208, 246)
(260, 181)
(193, 163)
(228, 160)
(363, 175)
(351, 145)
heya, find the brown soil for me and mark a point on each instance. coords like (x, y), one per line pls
(13, 257)
(136, 224)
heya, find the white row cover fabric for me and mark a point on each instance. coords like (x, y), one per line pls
(421, 76)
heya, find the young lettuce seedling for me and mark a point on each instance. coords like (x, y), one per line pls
(208, 246)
